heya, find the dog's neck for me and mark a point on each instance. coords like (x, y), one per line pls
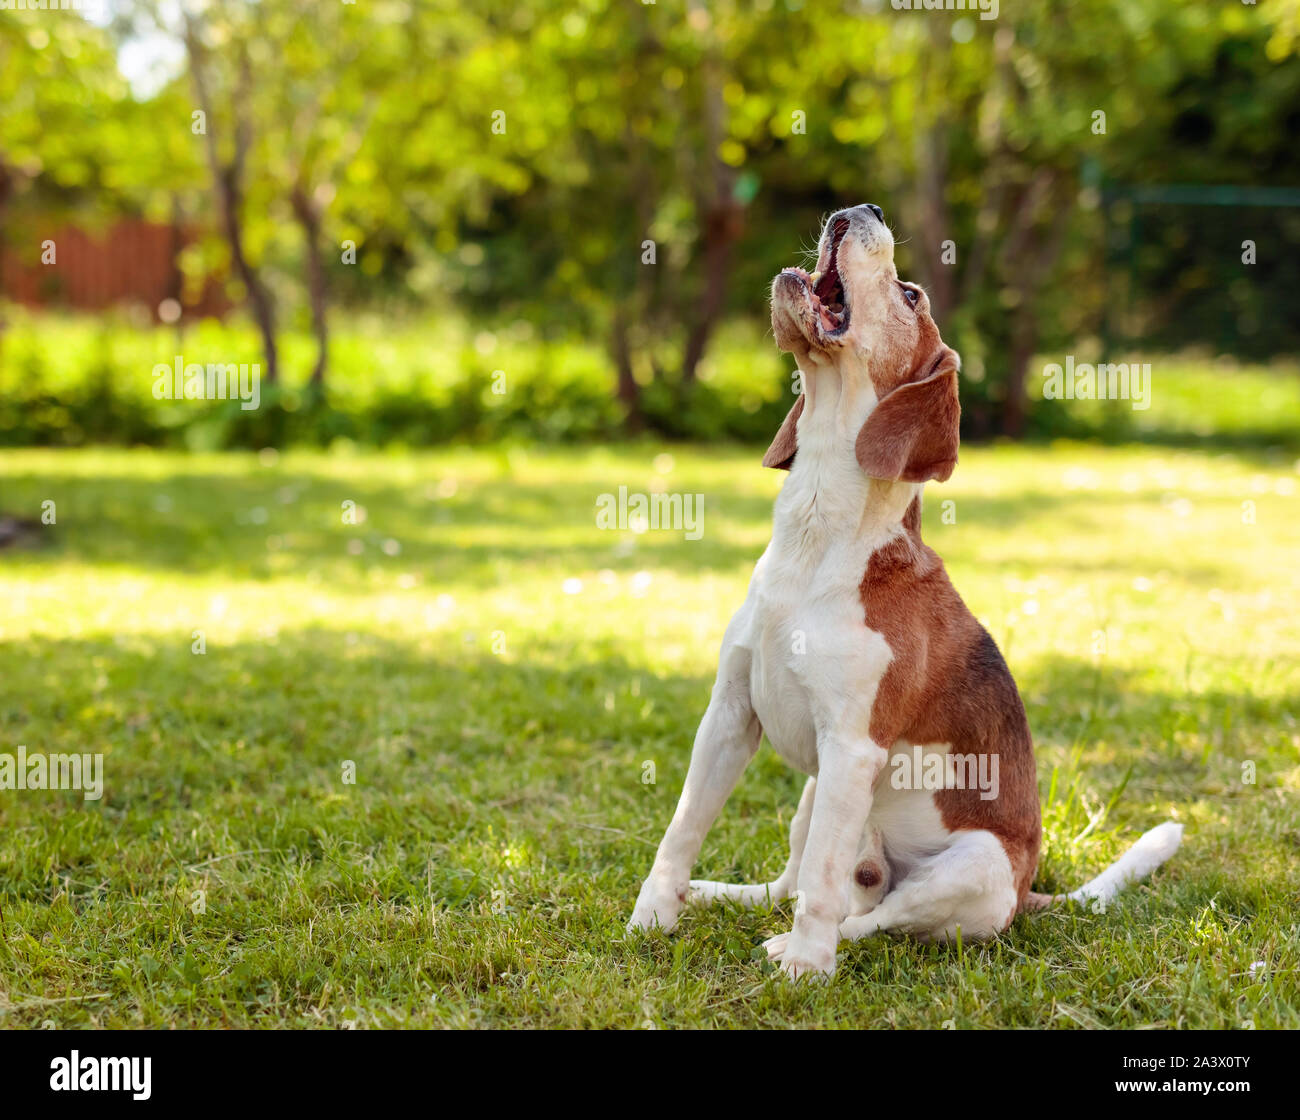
(828, 498)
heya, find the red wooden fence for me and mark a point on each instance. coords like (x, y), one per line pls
(129, 262)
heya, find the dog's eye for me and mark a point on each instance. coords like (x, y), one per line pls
(912, 295)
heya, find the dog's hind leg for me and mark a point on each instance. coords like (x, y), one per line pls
(969, 886)
(704, 891)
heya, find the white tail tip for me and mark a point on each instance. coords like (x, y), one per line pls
(1153, 847)
(1159, 843)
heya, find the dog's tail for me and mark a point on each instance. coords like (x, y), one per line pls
(1150, 851)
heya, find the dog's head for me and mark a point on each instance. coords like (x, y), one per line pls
(855, 315)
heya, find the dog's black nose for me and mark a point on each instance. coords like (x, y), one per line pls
(879, 213)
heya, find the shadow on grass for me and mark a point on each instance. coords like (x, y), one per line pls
(247, 747)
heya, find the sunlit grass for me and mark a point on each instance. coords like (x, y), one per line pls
(499, 671)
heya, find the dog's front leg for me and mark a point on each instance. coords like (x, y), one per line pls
(727, 739)
(847, 771)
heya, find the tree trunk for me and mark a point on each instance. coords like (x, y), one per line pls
(931, 153)
(1024, 341)
(259, 300)
(722, 227)
(309, 218)
(932, 175)
(6, 187)
(1029, 254)
(629, 392)
(723, 218)
(994, 178)
(226, 182)
(175, 275)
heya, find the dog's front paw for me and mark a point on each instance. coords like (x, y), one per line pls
(798, 957)
(656, 908)
(813, 965)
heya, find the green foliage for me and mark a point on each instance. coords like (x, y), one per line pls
(509, 160)
(71, 381)
(88, 381)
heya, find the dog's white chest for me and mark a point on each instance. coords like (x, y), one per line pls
(778, 639)
(815, 663)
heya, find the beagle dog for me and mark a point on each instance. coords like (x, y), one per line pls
(856, 656)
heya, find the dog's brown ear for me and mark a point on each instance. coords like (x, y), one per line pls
(912, 434)
(781, 454)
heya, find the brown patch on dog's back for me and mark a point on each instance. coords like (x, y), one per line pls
(948, 683)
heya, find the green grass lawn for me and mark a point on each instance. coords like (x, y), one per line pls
(499, 671)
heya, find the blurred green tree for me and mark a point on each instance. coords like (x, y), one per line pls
(640, 171)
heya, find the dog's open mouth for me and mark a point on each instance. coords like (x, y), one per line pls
(825, 288)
